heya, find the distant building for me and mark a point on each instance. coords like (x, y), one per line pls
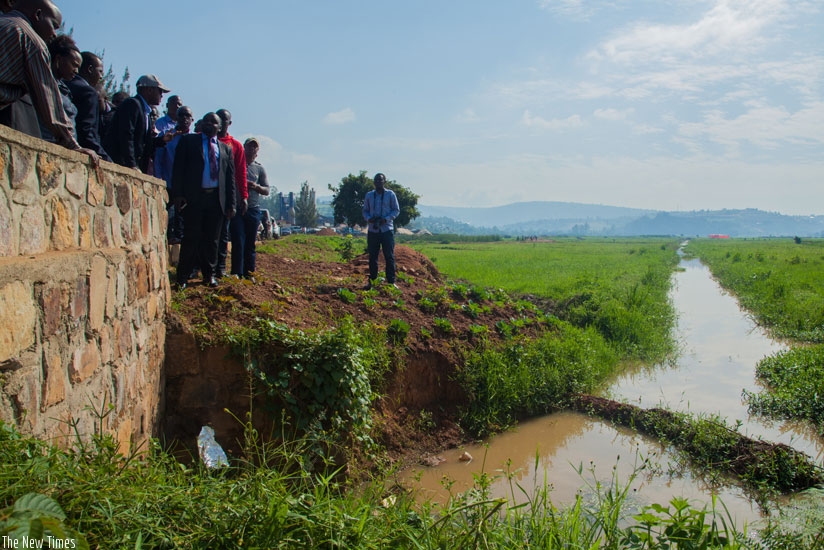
(718, 236)
(287, 207)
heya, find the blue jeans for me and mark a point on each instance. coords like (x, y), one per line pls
(244, 230)
(376, 241)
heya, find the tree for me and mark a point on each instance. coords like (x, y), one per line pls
(408, 202)
(348, 197)
(306, 211)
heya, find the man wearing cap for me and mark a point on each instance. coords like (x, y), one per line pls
(244, 227)
(130, 141)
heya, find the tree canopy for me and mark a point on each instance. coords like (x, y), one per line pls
(306, 211)
(349, 194)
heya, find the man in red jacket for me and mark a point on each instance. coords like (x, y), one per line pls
(240, 185)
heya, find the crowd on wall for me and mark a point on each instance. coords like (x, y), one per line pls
(52, 90)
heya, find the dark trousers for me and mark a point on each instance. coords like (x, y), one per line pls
(244, 232)
(223, 247)
(174, 229)
(376, 241)
(202, 219)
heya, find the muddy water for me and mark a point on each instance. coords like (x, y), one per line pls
(570, 452)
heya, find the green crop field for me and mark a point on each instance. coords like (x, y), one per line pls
(618, 286)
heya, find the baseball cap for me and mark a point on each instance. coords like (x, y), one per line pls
(251, 140)
(151, 81)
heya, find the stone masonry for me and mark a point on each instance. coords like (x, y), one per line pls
(83, 294)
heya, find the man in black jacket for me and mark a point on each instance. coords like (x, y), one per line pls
(203, 190)
(130, 141)
(87, 100)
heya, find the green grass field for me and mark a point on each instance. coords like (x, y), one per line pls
(617, 286)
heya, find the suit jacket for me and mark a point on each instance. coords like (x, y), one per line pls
(87, 120)
(187, 172)
(128, 141)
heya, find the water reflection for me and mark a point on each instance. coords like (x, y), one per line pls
(720, 348)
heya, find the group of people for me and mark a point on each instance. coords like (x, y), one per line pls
(51, 90)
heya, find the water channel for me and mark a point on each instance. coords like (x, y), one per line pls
(720, 346)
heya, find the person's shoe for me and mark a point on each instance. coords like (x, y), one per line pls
(220, 274)
(213, 282)
(249, 277)
(180, 286)
(367, 286)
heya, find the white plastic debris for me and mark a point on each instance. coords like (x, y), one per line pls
(211, 453)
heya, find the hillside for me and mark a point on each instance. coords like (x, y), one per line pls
(560, 218)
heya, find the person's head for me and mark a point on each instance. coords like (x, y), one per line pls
(150, 88)
(44, 16)
(8, 5)
(65, 57)
(119, 97)
(226, 121)
(91, 69)
(210, 124)
(172, 105)
(184, 119)
(251, 148)
(380, 181)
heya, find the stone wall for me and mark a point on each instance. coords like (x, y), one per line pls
(83, 294)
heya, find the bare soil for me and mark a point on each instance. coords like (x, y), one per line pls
(304, 294)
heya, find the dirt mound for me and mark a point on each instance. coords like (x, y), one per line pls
(313, 295)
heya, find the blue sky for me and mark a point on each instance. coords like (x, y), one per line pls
(670, 105)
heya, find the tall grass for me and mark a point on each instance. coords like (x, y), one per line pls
(153, 501)
(795, 379)
(529, 378)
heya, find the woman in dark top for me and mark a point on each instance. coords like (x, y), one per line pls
(65, 62)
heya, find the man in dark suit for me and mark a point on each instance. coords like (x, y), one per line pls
(203, 190)
(87, 100)
(130, 141)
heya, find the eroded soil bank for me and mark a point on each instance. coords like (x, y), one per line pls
(204, 380)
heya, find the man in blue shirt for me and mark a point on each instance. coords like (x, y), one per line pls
(380, 207)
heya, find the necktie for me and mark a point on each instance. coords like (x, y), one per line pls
(213, 160)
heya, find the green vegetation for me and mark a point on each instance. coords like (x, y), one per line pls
(530, 377)
(618, 287)
(313, 248)
(780, 281)
(716, 448)
(795, 379)
(274, 501)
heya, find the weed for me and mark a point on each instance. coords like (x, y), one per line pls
(397, 331)
(347, 296)
(443, 324)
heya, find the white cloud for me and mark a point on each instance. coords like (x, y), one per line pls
(468, 115)
(613, 114)
(575, 9)
(764, 126)
(568, 123)
(730, 27)
(340, 117)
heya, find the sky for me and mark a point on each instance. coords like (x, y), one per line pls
(662, 104)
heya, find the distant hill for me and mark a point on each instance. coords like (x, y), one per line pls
(562, 218)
